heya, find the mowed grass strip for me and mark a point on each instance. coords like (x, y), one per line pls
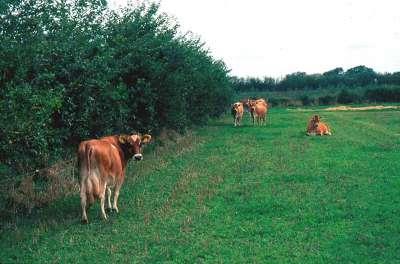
(244, 194)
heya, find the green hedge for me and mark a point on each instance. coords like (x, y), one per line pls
(72, 70)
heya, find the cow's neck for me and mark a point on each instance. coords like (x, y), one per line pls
(127, 154)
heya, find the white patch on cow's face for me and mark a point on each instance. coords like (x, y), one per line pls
(134, 138)
(135, 145)
(138, 156)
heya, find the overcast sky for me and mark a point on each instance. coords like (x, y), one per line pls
(276, 37)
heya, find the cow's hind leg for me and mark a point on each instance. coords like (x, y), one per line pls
(84, 204)
(102, 200)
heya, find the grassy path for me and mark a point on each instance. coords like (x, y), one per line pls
(247, 194)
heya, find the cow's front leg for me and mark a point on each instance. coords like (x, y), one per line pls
(116, 195)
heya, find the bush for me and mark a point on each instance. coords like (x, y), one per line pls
(306, 100)
(67, 77)
(327, 100)
(383, 95)
(346, 97)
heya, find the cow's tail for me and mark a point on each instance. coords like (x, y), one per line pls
(90, 186)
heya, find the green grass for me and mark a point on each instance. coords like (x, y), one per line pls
(246, 194)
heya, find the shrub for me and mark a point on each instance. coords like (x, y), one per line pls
(383, 95)
(67, 77)
(306, 100)
(327, 100)
(346, 97)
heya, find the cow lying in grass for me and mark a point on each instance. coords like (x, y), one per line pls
(102, 164)
(317, 127)
(237, 113)
(258, 110)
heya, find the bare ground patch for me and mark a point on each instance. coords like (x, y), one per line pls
(349, 108)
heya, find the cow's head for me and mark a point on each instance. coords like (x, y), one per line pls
(134, 144)
(236, 106)
(251, 105)
(317, 119)
(313, 124)
(248, 103)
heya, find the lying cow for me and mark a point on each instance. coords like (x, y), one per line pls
(102, 164)
(237, 113)
(258, 110)
(317, 127)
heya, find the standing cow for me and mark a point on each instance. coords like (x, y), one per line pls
(102, 164)
(237, 113)
(258, 110)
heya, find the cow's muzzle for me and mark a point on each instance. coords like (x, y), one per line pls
(138, 157)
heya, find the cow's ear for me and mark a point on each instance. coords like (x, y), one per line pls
(122, 139)
(145, 138)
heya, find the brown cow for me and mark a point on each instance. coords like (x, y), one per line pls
(317, 127)
(237, 113)
(102, 164)
(258, 110)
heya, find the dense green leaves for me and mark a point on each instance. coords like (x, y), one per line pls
(71, 70)
(359, 76)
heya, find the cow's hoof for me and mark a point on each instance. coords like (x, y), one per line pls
(109, 210)
(85, 221)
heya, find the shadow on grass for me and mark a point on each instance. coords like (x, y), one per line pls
(63, 211)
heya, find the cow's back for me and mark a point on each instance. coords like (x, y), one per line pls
(261, 108)
(323, 129)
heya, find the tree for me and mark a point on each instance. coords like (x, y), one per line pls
(360, 76)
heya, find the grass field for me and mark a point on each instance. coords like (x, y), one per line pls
(234, 195)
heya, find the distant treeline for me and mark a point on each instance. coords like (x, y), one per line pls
(72, 70)
(356, 85)
(360, 76)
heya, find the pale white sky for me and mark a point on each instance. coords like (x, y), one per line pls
(276, 37)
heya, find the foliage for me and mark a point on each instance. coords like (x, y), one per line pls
(385, 94)
(72, 70)
(346, 97)
(359, 76)
(327, 96)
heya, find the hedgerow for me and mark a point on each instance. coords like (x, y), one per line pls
(72, 70)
